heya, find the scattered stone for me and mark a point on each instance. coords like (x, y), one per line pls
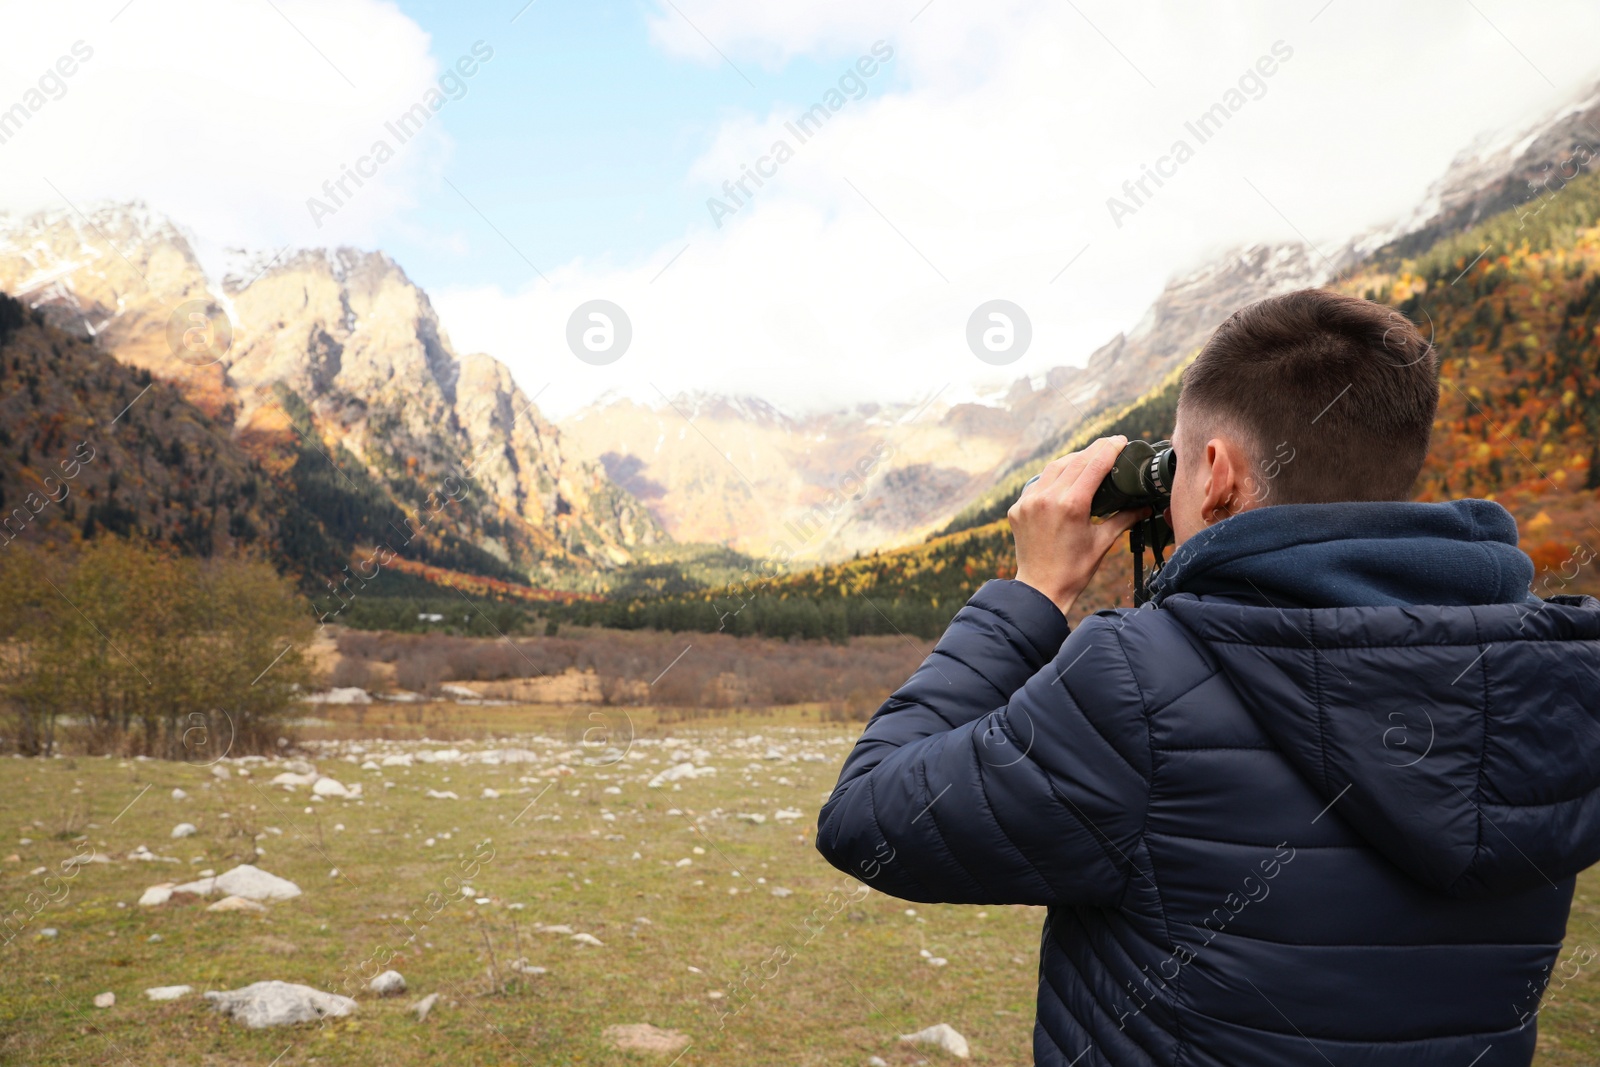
(276, 1003)
(490, 794)
(642, 1037)
(153, 938)
(292, 778)
(588, 939)
(685, 862)
(81, 860)
(237, 904)
(51, 931)
(558, 928)
(105, 1000)
(941, 1036)
(751, 817)
(332, 787)
(369, 766)
(246, 881)
(168, 992)
(424, 1006)
(403, 760)
(786, 814)
(184, 829)
(156, 895)
(448, 794)
(220, 773)
(388, 984)
(877, 1061)
(779, 891)
(937, 961)
(178, 794)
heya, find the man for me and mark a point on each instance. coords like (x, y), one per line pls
(1323, 800)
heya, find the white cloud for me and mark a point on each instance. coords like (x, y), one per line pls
(223, 116)
(992, 159)
(974, 168)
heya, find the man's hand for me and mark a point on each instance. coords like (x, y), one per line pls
(1059, 547)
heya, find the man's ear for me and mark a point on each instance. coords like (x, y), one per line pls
(1229, 489)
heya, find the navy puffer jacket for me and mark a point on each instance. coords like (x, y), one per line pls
(1323, 803)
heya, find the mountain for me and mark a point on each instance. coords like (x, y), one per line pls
(740, 472)
(88, 445)
(1512, 301)
(341, 382)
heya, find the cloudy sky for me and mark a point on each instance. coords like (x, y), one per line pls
(968, 154)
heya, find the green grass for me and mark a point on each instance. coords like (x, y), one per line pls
(854, 979)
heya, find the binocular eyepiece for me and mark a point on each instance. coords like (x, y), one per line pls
(1141, 478)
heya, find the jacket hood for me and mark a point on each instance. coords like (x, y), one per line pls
(1395, 655)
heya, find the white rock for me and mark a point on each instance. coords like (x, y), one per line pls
(448, 794)
(184, 829)
(402, 760)
(558, 928)
(490, 794)
(612, 790)
(294, 778)
(156, 895)
(685, 862)
(220, 773)
(329, 787)
(877, 1061)
(941, 1036)
(279, 1004)
(588, 939)
(237, 904)
(751, 817)
(168, 992)
(388, 984)
(345, 694)
(246, 881)
(785, 814)
(80, 860)
(178, 794)
(51, 931)
(460, 692)
(425, 1005)
(678, 771)
(104, 1000)
(779, 891)
(937, 961)
(369, 766)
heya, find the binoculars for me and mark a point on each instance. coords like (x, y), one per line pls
(1141, 477)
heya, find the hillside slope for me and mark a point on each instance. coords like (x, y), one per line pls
(341, 382)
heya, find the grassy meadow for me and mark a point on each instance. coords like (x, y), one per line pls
(563, 831)
(828, 974)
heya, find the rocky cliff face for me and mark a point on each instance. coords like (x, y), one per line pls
(336, 355)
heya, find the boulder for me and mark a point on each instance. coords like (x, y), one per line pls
(105, 1000)
(156, 895)
(276, 1003)
(388, 984)
(168, 992)
(941, 1036)
(246, 881)
(329, 787)
(642, 1037)
(184, 829)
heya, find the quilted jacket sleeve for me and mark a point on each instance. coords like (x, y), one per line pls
(1011, 768)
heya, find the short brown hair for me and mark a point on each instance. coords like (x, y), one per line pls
(1349, 385)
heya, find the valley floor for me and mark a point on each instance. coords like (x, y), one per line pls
(714, 914)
